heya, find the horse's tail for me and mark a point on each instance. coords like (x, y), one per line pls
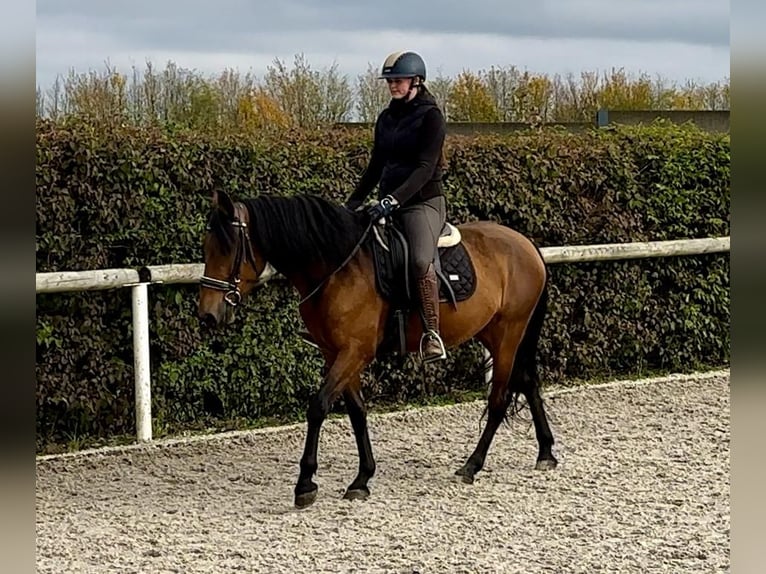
(525, 373)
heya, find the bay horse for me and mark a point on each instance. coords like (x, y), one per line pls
(323, 250)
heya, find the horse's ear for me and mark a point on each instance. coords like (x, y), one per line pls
(223, 202)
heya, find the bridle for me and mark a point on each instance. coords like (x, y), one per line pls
(244, 251)
(233, 296)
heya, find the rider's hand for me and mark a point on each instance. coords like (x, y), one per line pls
(382, 208)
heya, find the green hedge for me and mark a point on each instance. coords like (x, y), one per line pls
(129, 197)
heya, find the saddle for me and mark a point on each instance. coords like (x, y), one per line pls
(455, 273)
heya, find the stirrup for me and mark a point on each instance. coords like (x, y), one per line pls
(435, 336)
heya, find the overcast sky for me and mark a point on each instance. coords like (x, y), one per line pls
(675, 39)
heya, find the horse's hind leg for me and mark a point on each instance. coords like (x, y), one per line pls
(502, 342)
(357, 413)
(525, 378)
(531, 389)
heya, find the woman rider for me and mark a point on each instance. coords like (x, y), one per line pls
(406, 163)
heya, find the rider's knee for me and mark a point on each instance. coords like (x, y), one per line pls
(420, 264)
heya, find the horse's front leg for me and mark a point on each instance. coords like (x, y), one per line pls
(346, 368)
(357, 412)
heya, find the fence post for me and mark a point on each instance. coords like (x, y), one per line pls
(141, 361)
(602, 118)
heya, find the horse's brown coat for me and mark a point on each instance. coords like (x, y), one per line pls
(347, 318)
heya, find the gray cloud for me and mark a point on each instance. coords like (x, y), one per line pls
(235, 25)
(670, 37)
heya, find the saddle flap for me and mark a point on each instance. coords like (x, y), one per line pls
(456, 276)
(391, 255)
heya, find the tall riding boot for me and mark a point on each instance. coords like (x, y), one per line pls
(431, 344)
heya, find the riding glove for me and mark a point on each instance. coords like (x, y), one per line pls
(382, 208)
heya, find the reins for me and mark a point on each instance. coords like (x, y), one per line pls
(342, 265)
(233, 295)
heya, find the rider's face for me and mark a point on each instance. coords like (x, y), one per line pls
(398, 87)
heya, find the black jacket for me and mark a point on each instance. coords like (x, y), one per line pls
(407, 153)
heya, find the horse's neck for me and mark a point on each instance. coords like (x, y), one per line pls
(307, 280)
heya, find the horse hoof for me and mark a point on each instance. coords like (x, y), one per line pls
(465, 476)
(546, 464)
(356, 494)
(305, 499)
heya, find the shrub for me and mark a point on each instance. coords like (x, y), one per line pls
(126, 196)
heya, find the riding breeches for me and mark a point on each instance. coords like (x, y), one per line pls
(421, 223)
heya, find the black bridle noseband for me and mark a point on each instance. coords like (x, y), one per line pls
(244, 251)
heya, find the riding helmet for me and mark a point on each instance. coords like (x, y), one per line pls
(403, 65)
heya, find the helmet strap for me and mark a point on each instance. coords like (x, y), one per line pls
(413, 87)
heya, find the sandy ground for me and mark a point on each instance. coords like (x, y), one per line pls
(642, 486)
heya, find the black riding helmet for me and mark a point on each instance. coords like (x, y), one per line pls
(403, 65)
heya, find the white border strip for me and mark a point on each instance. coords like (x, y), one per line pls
(166, 442)
(676, 378)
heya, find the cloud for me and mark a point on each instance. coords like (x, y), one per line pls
(234, 25)
(693, 21)
(549, 36)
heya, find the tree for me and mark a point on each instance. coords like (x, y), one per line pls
(372, 95)
(501, 84)
(440, 87)
(336, 95)
(532, 98)
(619, 92)
(470, 100)
(259, 111)
(310, 97)
(296, 90)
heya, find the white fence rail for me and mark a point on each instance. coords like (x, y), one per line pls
(139, 279)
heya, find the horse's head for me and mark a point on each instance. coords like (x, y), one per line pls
(232, 265)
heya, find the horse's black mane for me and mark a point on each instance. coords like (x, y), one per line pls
(295, 232)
